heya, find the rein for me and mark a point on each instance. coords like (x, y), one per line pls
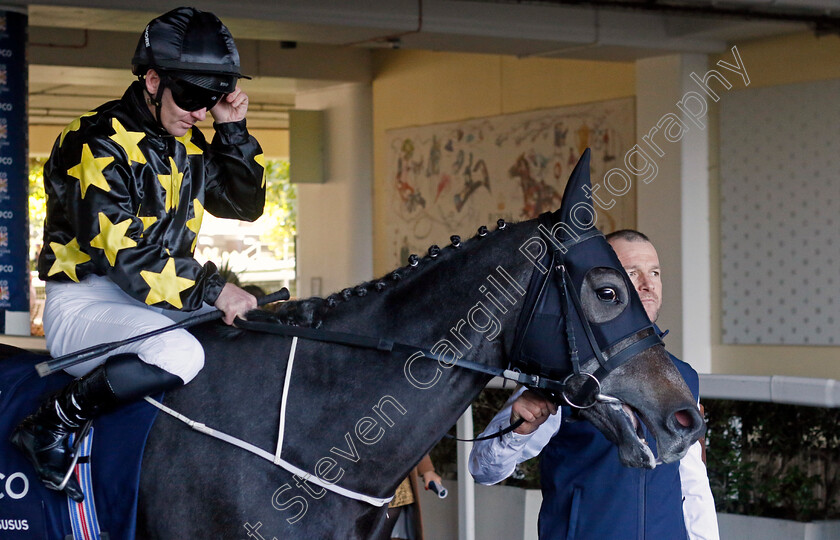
(69, 360)
(588, 392)
(493, 436)
(385, 345)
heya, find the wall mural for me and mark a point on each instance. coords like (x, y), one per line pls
(446, 179)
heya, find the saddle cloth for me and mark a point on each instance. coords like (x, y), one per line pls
(28, 510)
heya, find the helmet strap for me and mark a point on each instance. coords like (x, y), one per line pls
(155, 101)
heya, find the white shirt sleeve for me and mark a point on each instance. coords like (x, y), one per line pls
(493, 460)
(698, 503)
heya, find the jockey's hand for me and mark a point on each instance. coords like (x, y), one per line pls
(234, 301)
(532, 408)
(232, 108)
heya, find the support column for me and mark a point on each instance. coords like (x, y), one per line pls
(14, 174)
(335, 218)
(673, 208)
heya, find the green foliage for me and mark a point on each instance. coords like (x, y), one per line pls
(228, 274)
(280, 206)
(773, 460)
(37, 206)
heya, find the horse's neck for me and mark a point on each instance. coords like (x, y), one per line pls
(456, 310)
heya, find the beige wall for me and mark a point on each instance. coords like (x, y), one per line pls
(794, 58)
(791, 59)
(418, 88)
(274, 142)
(41, 139)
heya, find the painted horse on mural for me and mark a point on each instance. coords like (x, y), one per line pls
(337, 398)
(538, 196)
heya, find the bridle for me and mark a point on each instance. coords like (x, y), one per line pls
(560, 390)
(590, 390)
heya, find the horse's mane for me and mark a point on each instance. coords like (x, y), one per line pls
(310, 312)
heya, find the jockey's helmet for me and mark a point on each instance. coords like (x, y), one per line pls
(192, 46)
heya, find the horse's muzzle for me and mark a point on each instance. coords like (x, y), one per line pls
(684, 427)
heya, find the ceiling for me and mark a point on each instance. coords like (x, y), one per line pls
(318, 36)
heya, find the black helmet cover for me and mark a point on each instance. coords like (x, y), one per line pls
(192, 45)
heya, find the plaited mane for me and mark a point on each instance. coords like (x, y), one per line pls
(310, 312)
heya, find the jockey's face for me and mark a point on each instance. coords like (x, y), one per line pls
(176, 121)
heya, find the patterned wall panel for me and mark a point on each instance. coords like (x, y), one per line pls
(780, 214)
(451, 178)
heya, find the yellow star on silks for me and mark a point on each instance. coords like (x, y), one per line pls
(147, 221)
(89, 171)
(172, 185)
(128, 140)
(67, 257)
(111, 238)
(165, 285)
(194, 224)
(186, 140)
(73, 126)
(260, 159)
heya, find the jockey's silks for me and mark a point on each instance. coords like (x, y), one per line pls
(125, 200)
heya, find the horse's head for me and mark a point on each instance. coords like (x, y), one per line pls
(583, 324)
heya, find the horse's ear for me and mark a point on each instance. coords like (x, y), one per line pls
(576, 210)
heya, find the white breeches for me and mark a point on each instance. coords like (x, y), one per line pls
(81, 315)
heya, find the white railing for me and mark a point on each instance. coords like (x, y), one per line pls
(772, 389)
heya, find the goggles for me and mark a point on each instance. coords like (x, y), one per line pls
(190, 97)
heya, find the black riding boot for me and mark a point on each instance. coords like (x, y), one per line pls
(43, 436)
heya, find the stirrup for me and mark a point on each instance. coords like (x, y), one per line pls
(77, 450)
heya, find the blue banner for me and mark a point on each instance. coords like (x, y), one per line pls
(14, 170)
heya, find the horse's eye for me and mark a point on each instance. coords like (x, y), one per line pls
(607, 294)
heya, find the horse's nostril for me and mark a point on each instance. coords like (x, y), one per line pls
(683, 418)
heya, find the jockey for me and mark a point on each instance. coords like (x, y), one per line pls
(127, 186)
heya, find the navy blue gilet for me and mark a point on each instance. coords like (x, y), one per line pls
(589, 495)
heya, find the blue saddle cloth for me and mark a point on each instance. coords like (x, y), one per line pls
(30, 511)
